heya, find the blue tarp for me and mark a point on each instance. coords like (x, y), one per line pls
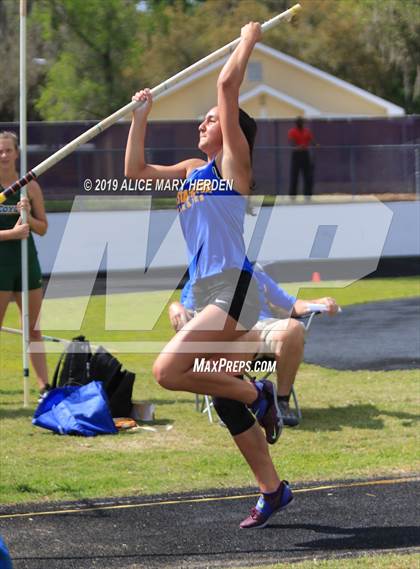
(76, 410)
(5, 561)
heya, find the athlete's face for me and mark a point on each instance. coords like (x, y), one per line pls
(8, 154)
(211, 140)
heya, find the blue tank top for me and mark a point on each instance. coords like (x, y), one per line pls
(212, 219)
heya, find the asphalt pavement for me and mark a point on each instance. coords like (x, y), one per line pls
(325, 520)
(375, 336)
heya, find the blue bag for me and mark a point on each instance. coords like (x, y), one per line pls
(76, 410)
(5, 561)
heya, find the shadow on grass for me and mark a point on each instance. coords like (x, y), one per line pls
(357, 416)
(169, 401)
(28, 413)
(9, 392)
(55, 491)
(156, 422)
(16, 413)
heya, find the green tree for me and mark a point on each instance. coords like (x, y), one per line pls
(393, 35)
(180, 34)
(374, 44)
(9, 61)
(95, 44)
(100, 51)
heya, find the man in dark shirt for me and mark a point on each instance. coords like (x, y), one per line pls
(301, 137)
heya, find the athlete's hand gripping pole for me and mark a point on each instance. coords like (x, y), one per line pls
(156, 91)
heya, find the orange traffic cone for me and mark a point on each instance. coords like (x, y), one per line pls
(316, 277)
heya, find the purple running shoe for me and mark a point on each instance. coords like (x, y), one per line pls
(267, 505)
(266, 410)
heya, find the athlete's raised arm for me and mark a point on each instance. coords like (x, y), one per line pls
(136, 166)
(236, 157)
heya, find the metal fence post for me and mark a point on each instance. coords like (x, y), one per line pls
(352, 173)
(417, 169)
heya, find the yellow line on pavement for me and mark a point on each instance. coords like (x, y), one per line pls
(208, 499)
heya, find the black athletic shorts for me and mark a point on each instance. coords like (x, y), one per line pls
(234, 291)
(11, 276)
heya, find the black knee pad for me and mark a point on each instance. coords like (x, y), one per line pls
(234, 414)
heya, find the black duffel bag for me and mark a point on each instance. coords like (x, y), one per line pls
(78, 366)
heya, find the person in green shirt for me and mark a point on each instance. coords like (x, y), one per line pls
(12, 231)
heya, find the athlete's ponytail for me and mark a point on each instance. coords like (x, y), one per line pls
(249, 128)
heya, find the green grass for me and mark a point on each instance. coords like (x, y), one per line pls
(355, 424)
(95, 203)
(389, 561)
(367, 290)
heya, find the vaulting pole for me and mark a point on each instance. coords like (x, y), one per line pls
(156, 91)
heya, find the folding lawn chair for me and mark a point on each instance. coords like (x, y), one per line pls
(306, 322)
(204, 404)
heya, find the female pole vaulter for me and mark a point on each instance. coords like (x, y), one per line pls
(212, 217)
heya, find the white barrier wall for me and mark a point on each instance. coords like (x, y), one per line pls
(77, 242)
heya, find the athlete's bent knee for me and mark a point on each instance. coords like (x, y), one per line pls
(297, 333)
(234, 414)
(163, 376)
